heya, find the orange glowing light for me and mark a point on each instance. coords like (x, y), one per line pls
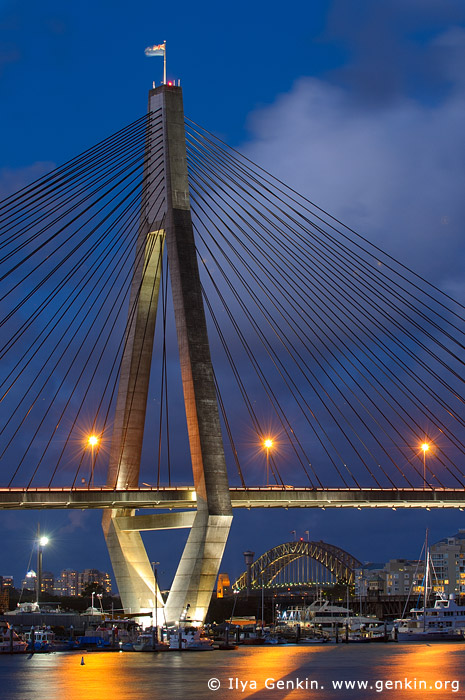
(425, 447)
(92, 440)
(268, 443)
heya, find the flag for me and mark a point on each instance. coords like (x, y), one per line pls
(157, 50)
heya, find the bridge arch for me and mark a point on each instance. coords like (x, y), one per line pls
(267, 567)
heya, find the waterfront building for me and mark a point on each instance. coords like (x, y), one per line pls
(6, 582)
(47, 583)
(398, 577)
(98, 578)
(448, 560)
(370, 579)
(72, 582)
(67, 583)
(29, 582)
(404, 576)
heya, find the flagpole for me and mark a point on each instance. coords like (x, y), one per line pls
(164, 63)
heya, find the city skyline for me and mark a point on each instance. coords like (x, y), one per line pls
(453, 541)
(69, 582)
(377, 121)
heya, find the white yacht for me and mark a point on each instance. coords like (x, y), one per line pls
(443, 622)
(322, 615)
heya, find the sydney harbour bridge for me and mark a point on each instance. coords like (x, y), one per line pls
(298, 564)
(162, 269)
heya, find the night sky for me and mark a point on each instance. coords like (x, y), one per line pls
(359, 105)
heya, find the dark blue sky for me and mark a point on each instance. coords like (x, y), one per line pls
(360, 105)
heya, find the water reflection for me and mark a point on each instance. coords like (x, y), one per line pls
(242, 674)
(428, 667)
(266, 666)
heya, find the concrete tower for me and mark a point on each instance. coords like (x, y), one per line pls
(166, 217)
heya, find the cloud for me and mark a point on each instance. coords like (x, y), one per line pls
(77, 521)
(390, 46)
(395, 173)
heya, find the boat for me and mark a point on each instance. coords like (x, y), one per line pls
(25, 608)
(110, 634)
(253, 641)
(146, 642)
(43, 639)
(444, 622)
(323, 619)
(189, 639)
(275, 639)
(10, 641)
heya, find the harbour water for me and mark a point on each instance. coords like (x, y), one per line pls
(304, 671)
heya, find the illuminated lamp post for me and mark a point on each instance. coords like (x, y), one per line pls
(93, 442)
(155, 580)
(425, 448)
(41, 543)
(268, 444)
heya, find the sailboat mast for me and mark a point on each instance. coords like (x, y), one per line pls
(426, 579)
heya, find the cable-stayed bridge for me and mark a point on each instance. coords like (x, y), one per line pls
(161, 270)
(171, 497)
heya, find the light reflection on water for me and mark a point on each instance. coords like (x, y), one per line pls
(172, 676)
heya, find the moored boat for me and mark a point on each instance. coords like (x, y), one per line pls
(43, 639)
(322, 618)
(10, 641)
(445, 622)
(144, 642)
(147, 642)
(189, 639)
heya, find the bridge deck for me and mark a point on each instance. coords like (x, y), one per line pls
(185, 497)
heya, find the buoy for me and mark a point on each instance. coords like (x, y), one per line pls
(83, 663)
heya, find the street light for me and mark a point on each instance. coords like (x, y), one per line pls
(41, 543)
(425, 448)
(155, 578)
(93, 441)
(268, 444)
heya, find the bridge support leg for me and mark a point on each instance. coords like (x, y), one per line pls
(195, 578)
(133, 572)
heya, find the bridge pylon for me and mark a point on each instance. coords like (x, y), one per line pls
(171, 227)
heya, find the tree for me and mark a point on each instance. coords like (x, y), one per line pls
(92, 588)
